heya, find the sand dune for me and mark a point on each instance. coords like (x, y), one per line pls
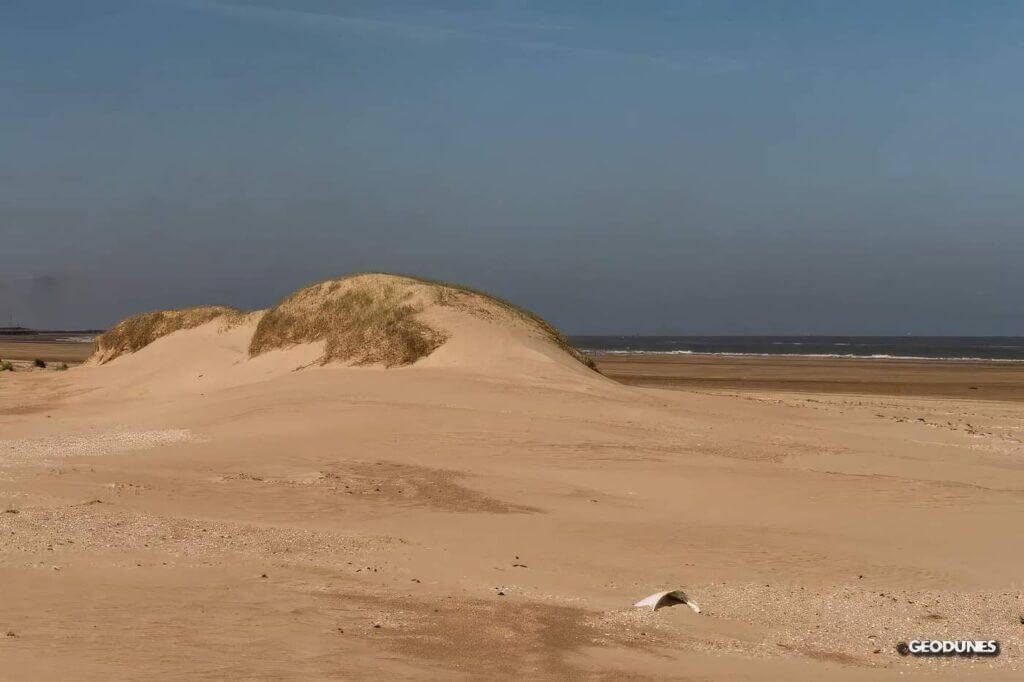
(196, 506)
(374, 320)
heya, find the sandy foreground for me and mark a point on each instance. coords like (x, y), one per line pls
(200, 515)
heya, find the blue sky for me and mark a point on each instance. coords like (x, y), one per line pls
(653, 167)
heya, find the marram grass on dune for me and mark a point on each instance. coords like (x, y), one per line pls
(362, 319)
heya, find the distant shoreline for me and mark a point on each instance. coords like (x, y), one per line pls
(71, 346)
(952, 348)
(27, 331)
(984, 379)
(822, 356)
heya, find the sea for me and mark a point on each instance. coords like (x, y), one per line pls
(1005, 348)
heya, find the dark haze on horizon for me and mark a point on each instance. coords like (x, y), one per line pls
(649, 167)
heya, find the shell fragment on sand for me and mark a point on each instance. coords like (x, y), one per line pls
(668, 598)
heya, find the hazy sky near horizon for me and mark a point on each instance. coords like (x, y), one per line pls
(650, 167)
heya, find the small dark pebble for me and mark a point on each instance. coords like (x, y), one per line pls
(878, 651)
(12, 633)
(501, 594)
(264, 575)
(415, 580)
(376, 625)
(10, 511)
(1022, 620)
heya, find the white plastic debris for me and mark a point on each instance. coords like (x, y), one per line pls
(669, 598)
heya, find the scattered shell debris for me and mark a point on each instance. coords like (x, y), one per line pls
(99, 444)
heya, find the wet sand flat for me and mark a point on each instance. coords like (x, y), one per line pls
(48, 347)
(967, 379)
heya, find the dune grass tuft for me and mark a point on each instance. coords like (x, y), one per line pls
(363, 325)
(135, 333)
(365, 322)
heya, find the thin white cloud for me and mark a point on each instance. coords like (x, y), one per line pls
(337, 25)
(330, 23)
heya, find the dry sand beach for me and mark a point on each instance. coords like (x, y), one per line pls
(220, 494)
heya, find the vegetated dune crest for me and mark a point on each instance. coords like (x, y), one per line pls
(135, 333)
(373, 319)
